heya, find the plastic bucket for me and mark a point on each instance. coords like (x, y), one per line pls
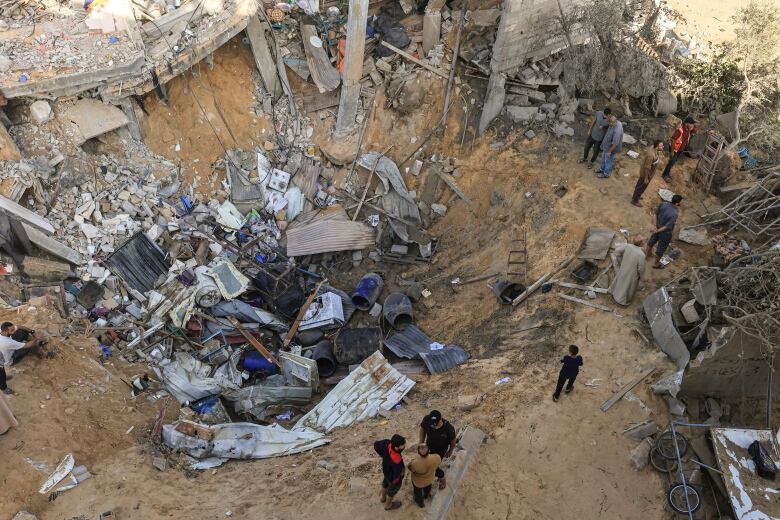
(367, 291)
(323, 355)
(397, 310)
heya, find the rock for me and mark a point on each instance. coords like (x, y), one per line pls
(640, 455)
(644, 431)
(561, 129)
(521, 114)
(24, 515)
(160, 463)
(439, 209)
(585, 105)
(399, 249)
(40, 111)
(530, 134)
(628, 139)
(566, 118)
(548, 107)
(5, 63)
(469, 402)
(327, 465)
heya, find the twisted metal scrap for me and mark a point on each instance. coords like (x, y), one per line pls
(750, 296)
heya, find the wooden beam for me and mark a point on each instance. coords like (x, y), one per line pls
(264, 61)
(538, 283)
(585, 302)
(626, 389)
(450, 181)
(456, 466)
(353, 67)
(302, 313)
(582, 287)
(253, 341)
(415, 60)
(323, 73)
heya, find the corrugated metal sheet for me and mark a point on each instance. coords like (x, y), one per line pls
(139, 262)
(445, 359)
(374, 385)
(409, 343)
(327, 236)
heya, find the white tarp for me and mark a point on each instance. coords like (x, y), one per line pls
(187, 379)
(374, 385)
(239, 440)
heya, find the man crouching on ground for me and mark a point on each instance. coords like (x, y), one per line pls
(392, 468)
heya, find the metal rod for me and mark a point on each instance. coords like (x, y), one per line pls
(682, 471)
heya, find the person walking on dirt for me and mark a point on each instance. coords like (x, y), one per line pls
(596, 132)
(665, 220)
(392, 469)
(610, 147)
(15, 343)
(423, 470)
(571, 367)
(651, 158)
(678, 143)
(439, 435)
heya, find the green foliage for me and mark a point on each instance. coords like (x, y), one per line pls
(710, 85)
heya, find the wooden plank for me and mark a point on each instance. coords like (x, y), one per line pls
(256, 33)
(626, 389)
(415, 60)
(353, 68)
(25, 214)
(450, 181)
(538, 283)
(737, 187)
(323, 73)
(301, 314)
(582, 287)
(314, 101)
(585, 302)
(456, 466)
(253, 341)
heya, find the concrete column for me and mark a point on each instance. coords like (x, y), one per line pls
(494, 100)
(353, 66)
(432, 25)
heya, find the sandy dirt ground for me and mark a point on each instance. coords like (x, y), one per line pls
(541, 460)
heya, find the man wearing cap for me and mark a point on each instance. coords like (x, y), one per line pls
(439, 435)
(678, 143)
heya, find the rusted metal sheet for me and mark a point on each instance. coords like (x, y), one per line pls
(323, 236)
(374, 385)
(139, 262)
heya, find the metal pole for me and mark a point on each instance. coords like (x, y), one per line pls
(682, 471)
(769, 392)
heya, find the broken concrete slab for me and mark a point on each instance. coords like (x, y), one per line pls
(93, 118)
(52, 246)
(266, 66)
(522, 114)
(40, 111)
(25, 214)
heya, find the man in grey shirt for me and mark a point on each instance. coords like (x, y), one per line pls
(596, 131)
(610, 147)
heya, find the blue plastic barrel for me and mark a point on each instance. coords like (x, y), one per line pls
(367, 291)
(255, 362)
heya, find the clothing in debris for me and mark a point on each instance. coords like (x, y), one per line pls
(423, 469)
(439, 439)
(392, 466)
(651, 158)
(7, 419)
(632, 267)
(569, 371)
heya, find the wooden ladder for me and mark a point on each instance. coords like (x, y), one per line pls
(708, 160)
(517, 260)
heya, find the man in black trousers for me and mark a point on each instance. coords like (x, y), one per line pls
(571, 367)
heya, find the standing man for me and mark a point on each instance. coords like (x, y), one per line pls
(665, 219)
(610, 147)
(678, 143)
(423, 470)
(392, 469)
(596, 132)
(15, 343)
(632, 268)
(651, 158)
(439, 436)
(569, 371)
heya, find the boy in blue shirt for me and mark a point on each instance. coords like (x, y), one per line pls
(569, 370)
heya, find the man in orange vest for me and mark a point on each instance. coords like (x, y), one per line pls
(678, 144)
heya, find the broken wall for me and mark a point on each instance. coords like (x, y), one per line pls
(530, 28)
(733, 367)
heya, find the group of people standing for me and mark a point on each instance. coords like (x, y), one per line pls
(437, 442)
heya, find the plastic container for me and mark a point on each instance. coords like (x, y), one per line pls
(397, 310)
(255, 362)
(367, 291)
(326, 361)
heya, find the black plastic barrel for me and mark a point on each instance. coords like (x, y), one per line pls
(397, 310)
(355, 345)
(323, 355)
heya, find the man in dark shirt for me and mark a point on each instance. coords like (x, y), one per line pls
(665, 220)
(392, 468)
(439, 435)
(569, 370)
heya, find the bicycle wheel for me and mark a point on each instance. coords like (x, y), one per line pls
(665, 445)
(676, 498)
(660, 463)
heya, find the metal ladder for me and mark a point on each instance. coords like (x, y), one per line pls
(708, 160)
(517, 260)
